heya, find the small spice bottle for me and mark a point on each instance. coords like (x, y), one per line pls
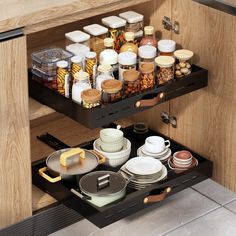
(127, 61)
(76, 66)
(81, 83)
(63, 80)
(149, 37)
(147, 79)
(147, 54)
(116, 27)
(129, 45)
(166, 47)
(104, 73)
(77, 36)
(165, 69)
(131, 83)
(111, 91)
(91, 98)
(91, 66)
(183, 66)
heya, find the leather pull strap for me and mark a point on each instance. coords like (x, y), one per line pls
(150, 102)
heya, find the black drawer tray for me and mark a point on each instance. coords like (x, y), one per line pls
(103, 115)
(133, 202)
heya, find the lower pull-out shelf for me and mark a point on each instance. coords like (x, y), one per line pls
(134, 200)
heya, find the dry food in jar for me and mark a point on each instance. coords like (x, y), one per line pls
(183, 67)
(116, 30)
(52, 84)
(166, 47)
(111, 91)
(104, 73)
(147, 54)
(91, 98)
(77, 36)
(76, 66)
(149, 37)
(134, 21)
(91, 66)
(129, 45)
(98, 34)
(81, 83)
(63, 83)
(147, 79)
(165, 70)
(131, 83)
(127, 61)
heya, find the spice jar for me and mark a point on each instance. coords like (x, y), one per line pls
(109, 55)
(134, 21)
(147, 79)
(166, 47)
(127, 61)
(183, 67)
(77, 36)
(76, 66)
(129, 45)
(149, 37)
(147, 54)
(81, 83)
(116, 30)
(131, 83)
(111, 91)
(91, 98)
(165, 71)
(91, 66)
(98, 34)
(63, 82)
(104, 73)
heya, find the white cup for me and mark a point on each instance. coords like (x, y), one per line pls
(156, 144)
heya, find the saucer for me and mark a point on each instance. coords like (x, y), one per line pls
(161, 158)
(144, 151)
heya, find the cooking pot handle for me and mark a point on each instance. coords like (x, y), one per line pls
(128, 175)
(80, 195)
(101, 158)
(158, 197)
(150, 102)
(47, 177)
(70, 155)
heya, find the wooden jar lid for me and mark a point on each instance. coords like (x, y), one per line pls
(131, 75)
(91, 95)
(111, 86)
(146, 67)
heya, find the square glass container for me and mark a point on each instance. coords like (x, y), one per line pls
(77, 36)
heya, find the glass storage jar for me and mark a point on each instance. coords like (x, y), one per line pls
(134, 21)
(183, 66)
(147, 78)
(91, 98)
(111, 91)
(147, 54)
(104, 73)
(138, 37)
(129, 45)
(98, 34)
(127, 61)
(131, 83)
(76, 66)
(149, 37)
(165, 69)
(116, 30)
(91, 66)
(166, 47)
(81, 83)
(77, 36)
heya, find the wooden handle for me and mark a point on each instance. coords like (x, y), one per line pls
(150, 102)
(73, 153)
(158, 197)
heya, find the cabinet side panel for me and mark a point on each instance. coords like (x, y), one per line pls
(206, 118)
(15, 169)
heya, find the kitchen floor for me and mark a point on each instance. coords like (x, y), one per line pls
(205, 209)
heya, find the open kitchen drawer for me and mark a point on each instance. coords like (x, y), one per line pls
(134, 200)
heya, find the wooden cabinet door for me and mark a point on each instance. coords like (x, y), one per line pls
(15, 164)
(207, 118)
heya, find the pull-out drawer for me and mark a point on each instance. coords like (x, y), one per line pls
(134, 200)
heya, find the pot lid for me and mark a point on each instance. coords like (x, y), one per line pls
(102, 183)
(79, 165)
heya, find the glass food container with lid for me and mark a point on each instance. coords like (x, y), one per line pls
(76, 66)
(131, 83)
(166, 47)
(129, 44)
(183, 66)
(98, 34)
(147, 78)
(116, 30)
(91, 66)
(147, 54)
(149, 37)
(134, 21)
(104, 73)
(165, 69)
(77, 36)
(91, 98)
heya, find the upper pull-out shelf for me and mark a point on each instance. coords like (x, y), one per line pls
(103, 115)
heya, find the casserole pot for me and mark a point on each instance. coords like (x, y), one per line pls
(101, 187)
(63, 167)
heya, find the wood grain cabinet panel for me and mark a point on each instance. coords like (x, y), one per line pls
(15, 168)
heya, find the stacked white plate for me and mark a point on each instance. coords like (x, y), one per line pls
(162, 156)
(143, 171)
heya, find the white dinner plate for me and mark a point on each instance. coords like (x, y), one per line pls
(146, 152)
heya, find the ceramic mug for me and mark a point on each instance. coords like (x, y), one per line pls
(156, 144)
